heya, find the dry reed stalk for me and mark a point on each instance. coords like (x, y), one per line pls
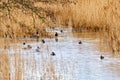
(4, 66)
(18, 67)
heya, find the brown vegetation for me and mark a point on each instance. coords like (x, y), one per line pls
(4, 66)
(23, 19)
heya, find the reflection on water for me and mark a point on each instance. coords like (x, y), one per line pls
(72, 61)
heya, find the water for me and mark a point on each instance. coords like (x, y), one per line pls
(72, 61)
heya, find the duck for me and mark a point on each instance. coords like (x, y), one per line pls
(56, 34)
(53, 54)
(29, 46)
(101, 57)
(38, 49)
(43, 41)
(61, 31)
(24, 43)
(56, 39)
(80, 42)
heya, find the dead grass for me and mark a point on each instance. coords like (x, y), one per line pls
(4, 66)
(93, 15)
(18, 67)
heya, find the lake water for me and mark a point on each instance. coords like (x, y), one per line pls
(72, 61)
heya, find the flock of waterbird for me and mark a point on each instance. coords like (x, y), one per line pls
(56, 39)
(43, 41)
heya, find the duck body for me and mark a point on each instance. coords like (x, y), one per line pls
(56, 39)
(24, 43)
(53, 54)
(80, 42)
(43, 41)
(101, 57)
(29, 46)
(56, 34)
(38, 49)
(61, 31)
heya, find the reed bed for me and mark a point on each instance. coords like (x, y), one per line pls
(91, 15)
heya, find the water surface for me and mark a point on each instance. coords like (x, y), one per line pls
(72, 61)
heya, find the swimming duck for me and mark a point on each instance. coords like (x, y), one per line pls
(61, 31)
(24, 43)
(38, 49)
(56, 34)
(56, 39)
(43, 41)
(101, 57)
(29, 46)
(80, 42)
(53, 54)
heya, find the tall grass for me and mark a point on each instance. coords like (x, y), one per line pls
(4, 66)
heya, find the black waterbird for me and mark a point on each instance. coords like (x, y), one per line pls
(53, 54)
(56, 34)
(80, 42)
(101, 57)
(43, 41)
(24, 43)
